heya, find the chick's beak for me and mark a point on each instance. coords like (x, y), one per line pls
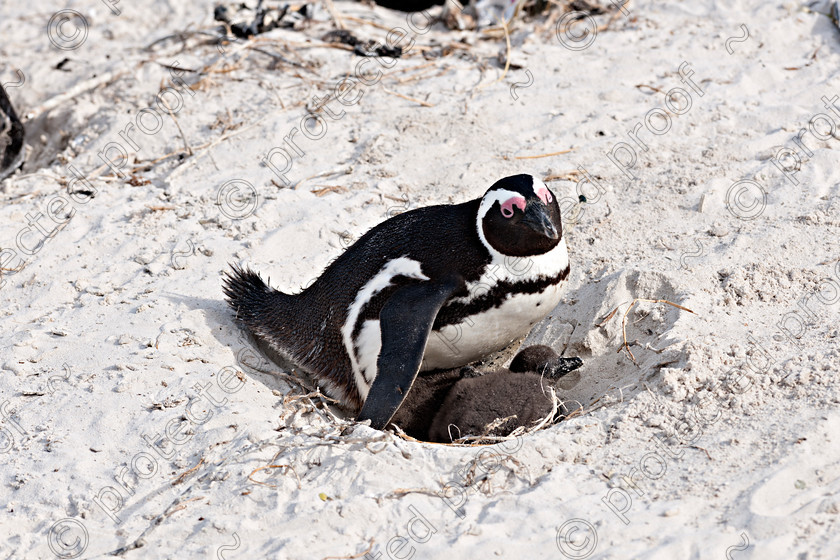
(538, 219)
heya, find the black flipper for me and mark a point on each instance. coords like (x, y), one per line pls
(405, 323)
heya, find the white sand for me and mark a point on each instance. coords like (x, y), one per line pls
(115, 332)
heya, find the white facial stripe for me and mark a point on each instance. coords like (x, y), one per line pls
(402, 266)
(541, 190)
(537, 185)
(488, 201)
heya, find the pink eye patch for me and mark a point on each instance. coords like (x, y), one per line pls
(544, 195)
(507, 206)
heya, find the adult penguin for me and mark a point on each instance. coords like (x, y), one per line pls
(485, 270)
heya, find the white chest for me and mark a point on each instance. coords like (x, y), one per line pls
(484, 333)
(491, 330)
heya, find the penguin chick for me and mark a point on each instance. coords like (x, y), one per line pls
(425, 400)
(486, 270)
(475, 402)
(464, 401)
(543, 360)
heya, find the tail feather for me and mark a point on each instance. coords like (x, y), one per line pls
(255, 303)
(278, 322)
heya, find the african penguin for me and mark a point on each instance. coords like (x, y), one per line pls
(435, 287)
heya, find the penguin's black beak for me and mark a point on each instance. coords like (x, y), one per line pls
(537, 218)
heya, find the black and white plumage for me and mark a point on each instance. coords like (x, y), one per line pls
(435, 287)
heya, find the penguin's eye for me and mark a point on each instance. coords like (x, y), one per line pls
(545, 195)
(507, 206)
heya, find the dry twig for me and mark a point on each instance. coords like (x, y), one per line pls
(272, 467)
(185, 474)
(334, 14)
(507, 56)
(545, 155)
(625, 345)
(407, 98)
(572, 175)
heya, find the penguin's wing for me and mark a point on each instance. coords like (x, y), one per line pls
(405, 322)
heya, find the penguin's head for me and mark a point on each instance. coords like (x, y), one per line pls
(519, 217)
